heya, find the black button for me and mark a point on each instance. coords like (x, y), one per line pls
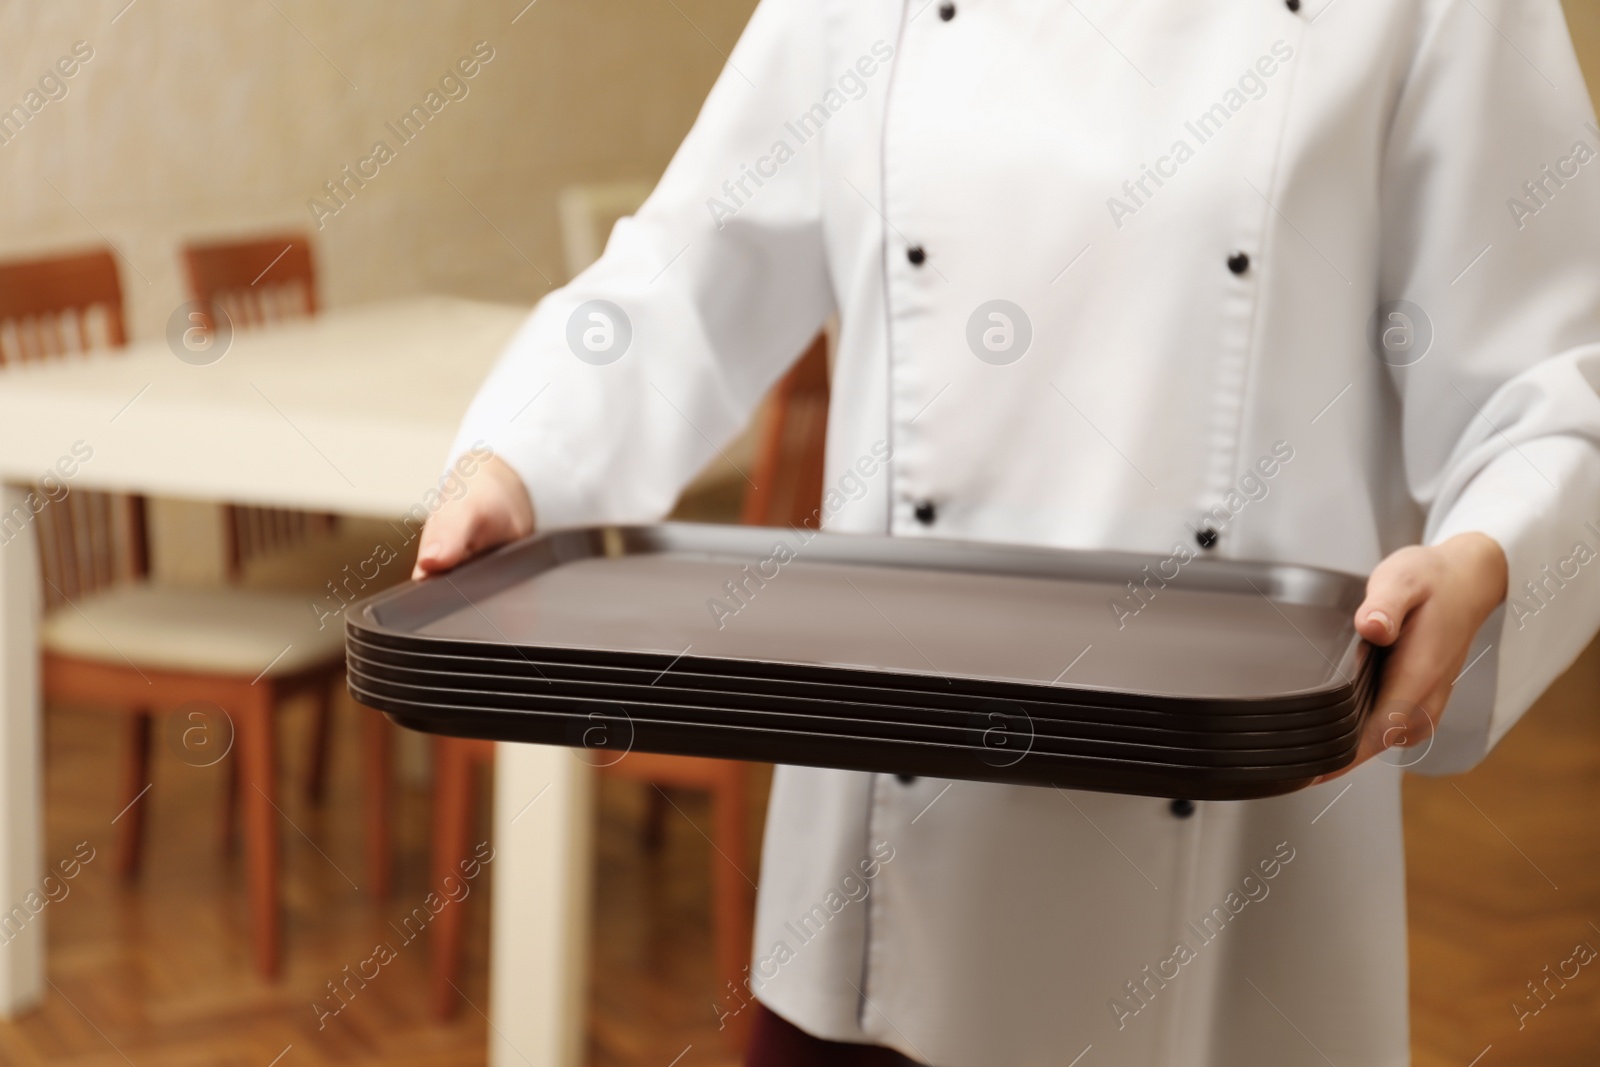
(905, 779)
(916, 255)
(1182, 809)
(948, 11)
(1294, 5)
(1238, 263)
(1206, 537)
(926, 512)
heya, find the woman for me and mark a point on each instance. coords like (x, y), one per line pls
(1100, 268)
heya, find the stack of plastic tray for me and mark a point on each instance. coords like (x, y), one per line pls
(1163, 676)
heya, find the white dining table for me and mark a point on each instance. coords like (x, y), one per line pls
(350, 412)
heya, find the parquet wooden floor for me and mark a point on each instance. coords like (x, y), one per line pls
(1504, 880)
(159, 975)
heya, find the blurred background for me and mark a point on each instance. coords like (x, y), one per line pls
(199, 125)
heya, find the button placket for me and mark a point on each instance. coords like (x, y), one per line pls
(906, 205)
(1252, 230)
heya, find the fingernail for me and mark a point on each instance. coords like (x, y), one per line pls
(429, 552)
(1382, 620)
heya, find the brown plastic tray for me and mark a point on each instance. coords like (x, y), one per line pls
(862, 644)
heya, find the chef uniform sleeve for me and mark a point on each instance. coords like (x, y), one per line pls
(706, 295)
(1491, 227)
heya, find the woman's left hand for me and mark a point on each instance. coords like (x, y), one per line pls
(1426, 604)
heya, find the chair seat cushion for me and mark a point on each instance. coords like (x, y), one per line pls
(222, 630)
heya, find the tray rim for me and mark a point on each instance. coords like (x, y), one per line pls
(1095, 779)
(1217, 707)
(1151, 718)
(1347, 741)
(693, 697)
(1326, 765)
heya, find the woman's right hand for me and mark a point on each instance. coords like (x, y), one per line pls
(494, 509)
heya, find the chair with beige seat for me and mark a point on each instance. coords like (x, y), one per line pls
(114, 639)
(255, 283)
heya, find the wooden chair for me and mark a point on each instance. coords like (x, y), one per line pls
(53, 306)
(259, 282)
(456, 762)
(788, 479)
(787, 489)
(254, 283)
(114, 640)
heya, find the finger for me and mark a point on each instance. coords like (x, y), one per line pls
(1425, 657)
(446, 542)
(1397, 587)
(432, 557)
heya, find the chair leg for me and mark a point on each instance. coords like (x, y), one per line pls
(321, 738)
(452, 823)
(655, 818)
(230, 798)
(377, 800)
(732, 896)
(135, 780)
(257, 759)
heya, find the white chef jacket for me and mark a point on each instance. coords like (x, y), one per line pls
(1200, 215)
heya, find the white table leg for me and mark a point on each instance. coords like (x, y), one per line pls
(539, 929)
(21, 757)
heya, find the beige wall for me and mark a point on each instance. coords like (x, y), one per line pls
(198, 117)
(203, 117)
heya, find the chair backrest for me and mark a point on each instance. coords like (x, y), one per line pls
(88, 541)
(54, 309)
(58, 306)
(251, 532)
(263, 281)
(787, 479)
(259, 282)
